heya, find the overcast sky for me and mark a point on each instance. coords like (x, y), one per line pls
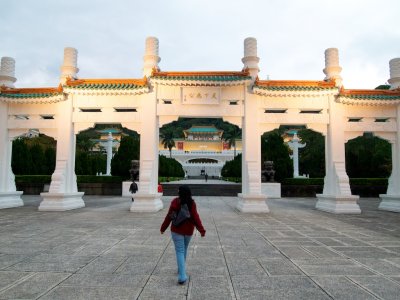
(201, 35)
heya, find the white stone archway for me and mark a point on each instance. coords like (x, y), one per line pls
(240, 97)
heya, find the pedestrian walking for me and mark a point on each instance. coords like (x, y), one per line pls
(184, 217)
(133, 189)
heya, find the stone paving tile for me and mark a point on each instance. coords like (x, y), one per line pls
(282, 287)
(396, 278)
(210, 287)
(329, 242)
(296, 252)
(137, 266)
(103, 265)
(84, 293)
(9, 277)
(337, 266)
(244, 267)
(380, 265)
(380, 286)
(342, 288)
(164, 287)
(278, 267)
(33, 286)
(107, 280)
(7, 260)
(322, 252)
(203, 267)
(110, 253)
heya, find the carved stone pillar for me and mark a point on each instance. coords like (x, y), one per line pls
(251, 199)
(9, 196)
(147, 198)
(391, 200)
(336, 196)
(63, 193)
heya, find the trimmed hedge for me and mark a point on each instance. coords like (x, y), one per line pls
(369, 181)
(303, 181)
(44, 179)
(33, 179)
(233, 179)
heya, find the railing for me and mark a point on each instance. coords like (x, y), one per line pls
(181, 152)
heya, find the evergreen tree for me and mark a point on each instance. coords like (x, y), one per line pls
(274, 149)
(21, 161)
(312, 156)
(368, 157)
(233, 168)
(38, 160)
(128, 150)
(169, 167)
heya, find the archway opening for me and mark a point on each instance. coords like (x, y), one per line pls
(33, 161)
(368, 156)
(274, 149)
(202, 147)
(312, 156)
(368, 165)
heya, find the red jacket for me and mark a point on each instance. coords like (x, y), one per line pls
(187, 228)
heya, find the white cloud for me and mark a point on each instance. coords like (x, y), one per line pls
(201, 35)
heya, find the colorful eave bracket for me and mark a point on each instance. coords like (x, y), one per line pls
(32, 95)
(200, 78)
(106, 86)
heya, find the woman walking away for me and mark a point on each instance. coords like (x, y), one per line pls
(184, 217)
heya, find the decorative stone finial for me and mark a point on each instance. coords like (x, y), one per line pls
(70, 64)
(150, 58)
(332, 69)
(250, 59)
(7, 72)
(394, 80)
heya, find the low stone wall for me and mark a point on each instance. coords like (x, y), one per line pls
(313, 190)
(301, 190)
(115, 189)
(111, 189)
(205, 189)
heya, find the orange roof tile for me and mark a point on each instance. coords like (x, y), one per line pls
(199, 73)
(47, 90)
(106, 82)
(345, 92)
(295, 83)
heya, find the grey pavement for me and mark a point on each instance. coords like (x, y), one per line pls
(103, 251)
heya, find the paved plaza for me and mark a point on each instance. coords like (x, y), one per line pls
(103, 251)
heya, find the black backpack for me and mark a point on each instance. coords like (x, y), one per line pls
(180, 217)
(133, 188)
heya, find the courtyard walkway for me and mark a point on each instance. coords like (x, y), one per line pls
(104, 251)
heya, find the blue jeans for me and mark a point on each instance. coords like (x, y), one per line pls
(181, 243)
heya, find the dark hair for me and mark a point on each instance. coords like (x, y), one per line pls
(185, 195)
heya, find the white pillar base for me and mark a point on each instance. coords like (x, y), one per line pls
(252, 204)
(10, 199)
(61, 201)
(147, 202)
(338, 204)
(271, 189)
(390, 202)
